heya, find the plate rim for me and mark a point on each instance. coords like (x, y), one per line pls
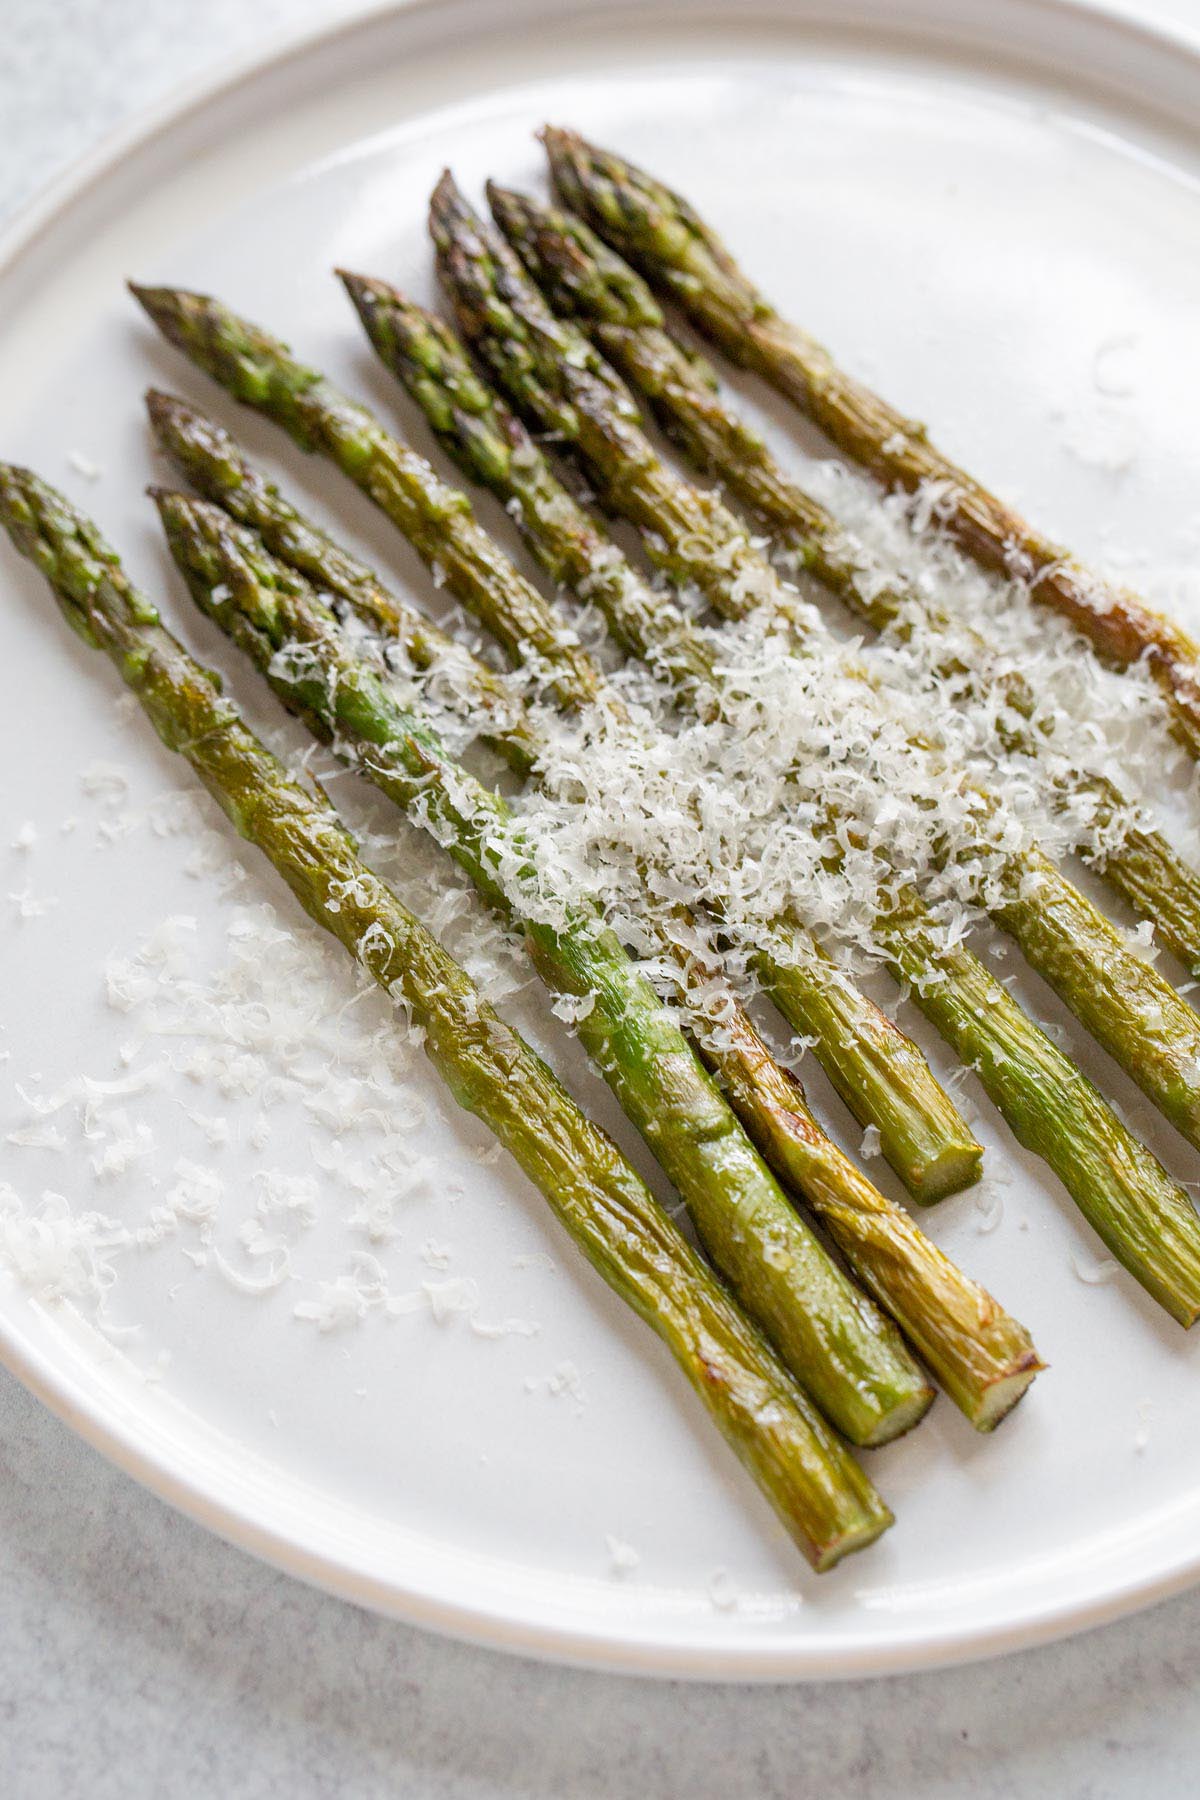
(99, 1422)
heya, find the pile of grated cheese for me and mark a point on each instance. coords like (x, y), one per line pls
(832, 779)
(267, 1041)
(810, 794)
(824, 785)
(1087, 719)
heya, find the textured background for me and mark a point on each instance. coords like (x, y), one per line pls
(139, 1656)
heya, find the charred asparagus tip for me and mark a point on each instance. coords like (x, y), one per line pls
(167, 409)
(498, 195)
(447, 188)
(364, 290)
(168, 308)
(153, 299)
(448, 202)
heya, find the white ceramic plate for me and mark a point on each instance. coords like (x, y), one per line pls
(973, 205)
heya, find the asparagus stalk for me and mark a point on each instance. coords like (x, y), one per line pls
(206, 454)
(556, 375)
(821, 1495)
(981, 1356)
(878, 1071)
(583, 278)
(851, 1360)
(1050, 1107)
(488, 441)
(659, 231)
(435, 517)
(871, 1064)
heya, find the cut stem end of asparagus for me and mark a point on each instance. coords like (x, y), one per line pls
(958, 1167)
(1000, 1398)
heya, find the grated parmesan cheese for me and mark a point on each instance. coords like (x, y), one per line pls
(563, 1382)
(623, 1559)
(721, 1591)
(28, 905)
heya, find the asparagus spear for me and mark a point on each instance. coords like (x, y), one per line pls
(435, 517)
(1050, 1107)
(983, 1358)
(871, 1064)
(851, 1360)
(556, 375)
(659, 232)
(823, 1498)
(583, 278)
(208, 456)
(878, 1071)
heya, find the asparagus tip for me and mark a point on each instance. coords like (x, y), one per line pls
(364, 290)
(563, 145)
(20, 489)
(383, 309)
(174, 506)
(168, 502)
(449, 208)
(164, 408)
(511, 210)
(166, 305)
(447, 192)
(151, 298)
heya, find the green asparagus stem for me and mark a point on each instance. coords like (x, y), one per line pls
(488, 440)
(208, 457)
(583, 278)
(879, 1072)
(554, 372)
(659, 231)
(981, 1356)
(822, 1497)
(1050, 1107)
(436, 518)
(871, 1064)
(1047, 1103)
(850, 1359)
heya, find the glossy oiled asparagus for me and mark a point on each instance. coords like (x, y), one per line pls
(879, 1072)
(870, 1063)
(850, 1359)
(1052, 1109)
(436, 518)
(205, 453)
(583, 278)
(819, 1492)
(662, 234)
(554, 372)
(980, 1355)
